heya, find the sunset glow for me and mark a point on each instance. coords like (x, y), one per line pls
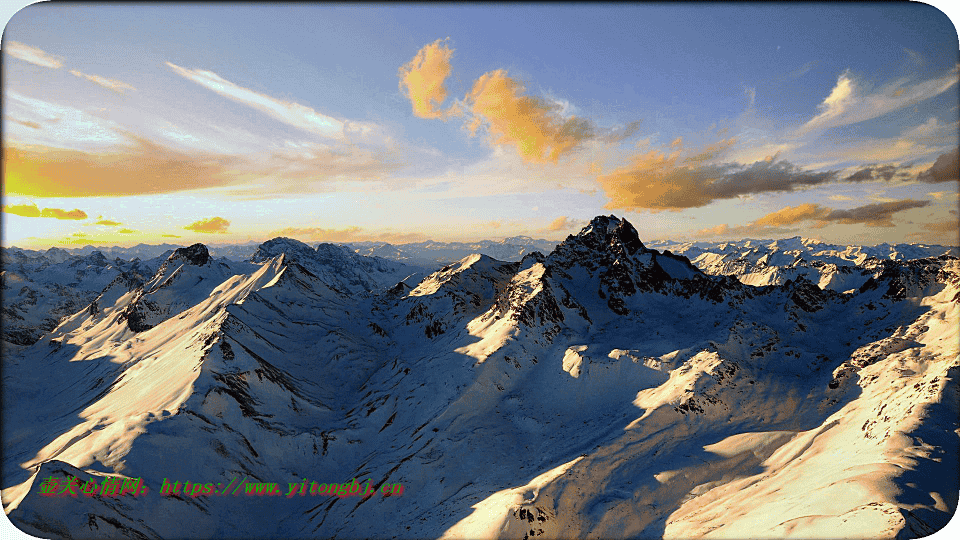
(346, 123)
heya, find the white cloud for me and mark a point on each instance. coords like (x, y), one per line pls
(293, 114)
(849, 103)
(32, 54)
(60, 125)
(110, 84)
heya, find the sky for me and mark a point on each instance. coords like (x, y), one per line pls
(180, 123)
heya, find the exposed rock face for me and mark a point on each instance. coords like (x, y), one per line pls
(197, 254)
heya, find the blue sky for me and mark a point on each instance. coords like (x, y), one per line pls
(220, 123)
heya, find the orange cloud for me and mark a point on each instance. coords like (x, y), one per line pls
(25, 210)
(945, 232)
(660, 181)
(101, 221)
(422, 80)
(530, 124)
(215, 224)
(170, 235)
(63, 214)
(871, 215)
(793, 214)
(44, 171)
(720, 230)
(110, 84)
(560, 224)
(26, 123)
(539, 129)
(126, 231)
(31, 210)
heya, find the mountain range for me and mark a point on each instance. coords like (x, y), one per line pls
(603, 389)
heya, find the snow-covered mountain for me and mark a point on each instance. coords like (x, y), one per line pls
(40, 290)
(773, 262)
(429, 253)
(339, 267)
(604, 389)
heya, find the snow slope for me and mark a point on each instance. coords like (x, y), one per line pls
(602, 390)
(39, 291)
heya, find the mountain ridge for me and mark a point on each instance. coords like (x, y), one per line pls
(604, 388)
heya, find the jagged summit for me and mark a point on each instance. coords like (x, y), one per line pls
(197, 255)
(607, 235)
(336, 265)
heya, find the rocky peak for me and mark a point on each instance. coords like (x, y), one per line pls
(609, 233)
(604, 240)
(196, 254)
(97, 258)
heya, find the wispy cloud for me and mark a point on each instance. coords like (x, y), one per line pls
(293, 114)
(57, 124)
(802, 70)
(214, 224)
(32, 54)
(106, 222)
(31, 210)
(26, 123)
(110, 84)
(928, 138)
(850, 102)
(309, 161)
(618, 133)
(422, 80)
